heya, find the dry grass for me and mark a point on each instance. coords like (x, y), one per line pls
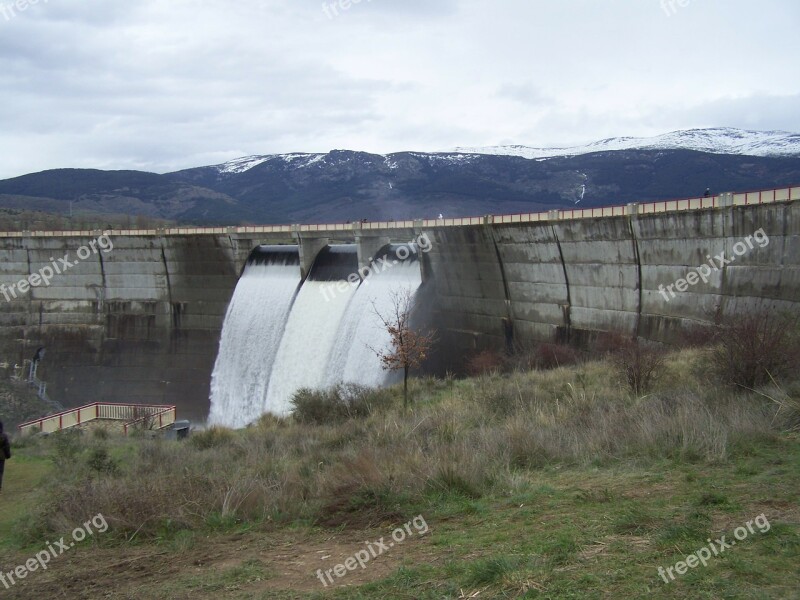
(464, 438)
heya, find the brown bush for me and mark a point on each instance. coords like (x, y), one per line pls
(553, 356)
(754, 347)
(609, 342)
(486, 362)
(697, 336)
(640, 364)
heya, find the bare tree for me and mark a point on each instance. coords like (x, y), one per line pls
(409, 347)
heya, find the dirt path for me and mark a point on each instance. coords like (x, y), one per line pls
(248, 565)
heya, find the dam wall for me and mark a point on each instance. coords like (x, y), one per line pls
(568, 281)
(141, 322)
(137, 324)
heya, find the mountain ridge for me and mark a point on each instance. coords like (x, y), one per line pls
(716, 140)
(344, 185)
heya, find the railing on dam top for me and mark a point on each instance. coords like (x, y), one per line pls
(150, 416)
(720, 201)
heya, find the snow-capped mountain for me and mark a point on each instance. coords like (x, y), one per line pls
(721, 140)
(343, 185)
(240, 165)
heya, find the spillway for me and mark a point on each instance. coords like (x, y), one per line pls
(280, 335)
(311, 331)
(253, 327)
(361, 333)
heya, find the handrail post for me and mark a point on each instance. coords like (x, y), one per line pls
(726, 200)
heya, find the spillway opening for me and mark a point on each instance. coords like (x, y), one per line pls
(362, 335)
(281, 335)
(335, 263)
(251, 333)
(266, 255)
(311, 330)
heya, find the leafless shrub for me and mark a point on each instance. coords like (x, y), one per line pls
(640, 364)
(754, 347)
(697, 336)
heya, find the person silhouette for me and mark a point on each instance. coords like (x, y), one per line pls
(5, 453)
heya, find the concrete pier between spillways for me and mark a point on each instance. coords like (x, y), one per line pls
(141, 322)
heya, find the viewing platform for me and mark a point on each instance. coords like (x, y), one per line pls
(127, 417)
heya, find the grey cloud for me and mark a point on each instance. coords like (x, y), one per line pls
(164, 84)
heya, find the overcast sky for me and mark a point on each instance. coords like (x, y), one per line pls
(161, 85)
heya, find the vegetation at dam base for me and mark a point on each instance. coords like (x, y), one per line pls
(558, 483)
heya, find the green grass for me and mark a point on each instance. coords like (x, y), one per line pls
(572, 532)
(535, 485)
(554, 547)
(22, 480)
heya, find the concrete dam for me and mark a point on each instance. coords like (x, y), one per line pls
(136, 316)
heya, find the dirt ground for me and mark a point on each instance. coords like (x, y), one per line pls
(290, 560)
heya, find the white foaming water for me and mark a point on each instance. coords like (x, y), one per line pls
(361, 334)
(251, 333)
(311, 335)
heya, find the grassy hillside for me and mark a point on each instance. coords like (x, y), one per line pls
(539, 484)
(19, 403)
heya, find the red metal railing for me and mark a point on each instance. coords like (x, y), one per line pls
(130, 414)
(157, 420)
(786, 194)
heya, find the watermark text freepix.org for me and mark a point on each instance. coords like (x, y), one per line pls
(670, 7)
(54, 550)
(403, 252)
(332, 10)
(714, 548)
(9, 11)
(57, 266)
(373, 550)
(715, 263)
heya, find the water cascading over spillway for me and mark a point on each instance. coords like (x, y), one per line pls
(311, 331)
(251, 334)
(362, 333)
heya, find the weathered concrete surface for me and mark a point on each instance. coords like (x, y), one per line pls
(763, 276)
(572, 279)
(141, 323)
(137, 323)
(469, 299)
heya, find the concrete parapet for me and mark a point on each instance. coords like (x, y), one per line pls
(725, 200)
